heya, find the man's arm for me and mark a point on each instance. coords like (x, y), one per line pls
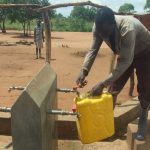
(89, 59)
(91, 55)
(125, 58)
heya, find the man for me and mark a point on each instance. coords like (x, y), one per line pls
(128, 38)
(38, 38)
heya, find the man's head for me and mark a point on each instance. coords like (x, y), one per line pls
(105, 22)
(38, 22)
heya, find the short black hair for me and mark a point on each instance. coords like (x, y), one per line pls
(104, 15)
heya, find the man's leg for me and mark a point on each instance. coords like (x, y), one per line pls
(40, 47)
(36, 53)
(118, 85)
(142, 124)
(40, 53)
(143, 77)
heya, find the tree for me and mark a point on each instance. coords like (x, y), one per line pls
(82, 18)
(91, 13)
(147, 6)
(22, 15)
(126, 8)
(4, 14)
(81, 12)
(26, 15)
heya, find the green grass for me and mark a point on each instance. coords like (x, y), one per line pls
(65, 24)
(13, 26)
(17, 25)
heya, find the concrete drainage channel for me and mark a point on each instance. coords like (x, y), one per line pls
(32, 127)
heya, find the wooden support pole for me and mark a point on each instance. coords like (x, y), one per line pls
(132, 83)
(69, 4)
(38, 8)
(20, 5)
(47, 36)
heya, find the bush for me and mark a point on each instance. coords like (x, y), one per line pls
(71, 24)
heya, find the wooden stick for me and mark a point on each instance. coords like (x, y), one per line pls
(47, 36)
(19, 5)
(42, 8)
(69, 4)
(112, 62)
(132, 83)
(77, 4)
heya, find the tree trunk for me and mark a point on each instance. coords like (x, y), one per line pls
(24, 28)
(29, 28)
(28, 31)
(0, 26)
(3, 26)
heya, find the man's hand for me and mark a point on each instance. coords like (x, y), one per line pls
(81, 82)
(97, 89)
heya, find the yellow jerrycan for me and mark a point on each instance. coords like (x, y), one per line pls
(96, 118)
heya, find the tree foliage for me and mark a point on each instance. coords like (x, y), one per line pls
(81, 12)
(80, 19)
(126, 8)
(22, 15)
(4, 14)
(147, 5)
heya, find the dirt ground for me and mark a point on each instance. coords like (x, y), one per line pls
(18, 64)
